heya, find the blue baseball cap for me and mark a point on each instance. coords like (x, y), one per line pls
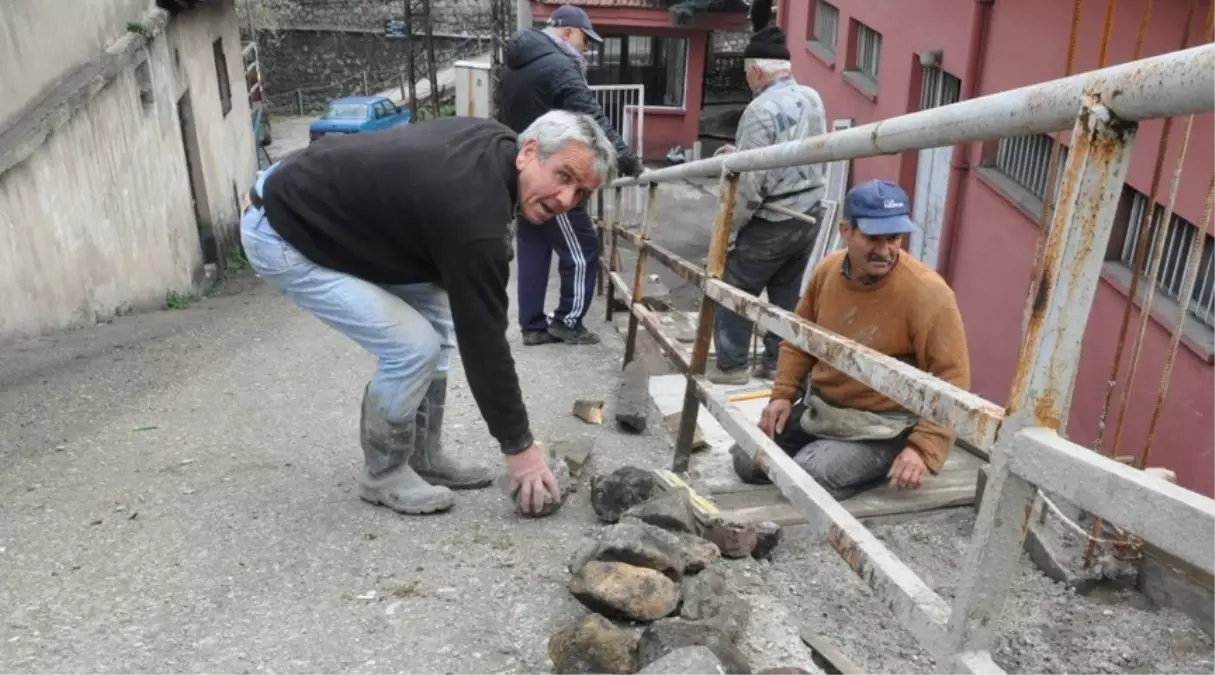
(880, 208)
(570, 16)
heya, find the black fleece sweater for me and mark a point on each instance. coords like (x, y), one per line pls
(427, 202)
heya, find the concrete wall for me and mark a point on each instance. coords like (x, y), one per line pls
(459, 17)
(305, 69)
(996, 239)
(31, 61)
(99, 217)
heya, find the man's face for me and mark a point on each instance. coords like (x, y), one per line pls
(555, 185)
(576, 39)
(871, 257)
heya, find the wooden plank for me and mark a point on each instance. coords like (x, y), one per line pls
(757, 503)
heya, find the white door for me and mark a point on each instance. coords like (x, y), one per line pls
(937, 88)
(928, 204)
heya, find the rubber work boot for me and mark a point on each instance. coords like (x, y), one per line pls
(763, 371)
(747, 469)
(387, 478)
(737, 376)
(431, 463)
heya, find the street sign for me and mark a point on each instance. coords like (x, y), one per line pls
(396, 29)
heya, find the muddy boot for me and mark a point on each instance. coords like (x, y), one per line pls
(763, 371)
(388, 479)
(736, 376)
(430, 461)
(747, 469)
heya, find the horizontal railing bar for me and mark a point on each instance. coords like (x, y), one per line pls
(917, 607)
(1168, 85)
(686, 270)
(1171, 517)
(973, 418)
(679, 356)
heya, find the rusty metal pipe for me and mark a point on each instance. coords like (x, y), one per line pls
(647, 227)
(613, 254)
(1176, 83)
(715, 268)
(959, 163)
(1185, 297)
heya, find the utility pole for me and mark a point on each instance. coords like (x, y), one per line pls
(409, 62)
(523, 14)
(432, 73)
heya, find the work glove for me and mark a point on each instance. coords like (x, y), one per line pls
(629, 165)
(531, 482)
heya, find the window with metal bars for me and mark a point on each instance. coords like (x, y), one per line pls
(825, 30)
(1174, 259)
(868, 51)
(938, 88)
(1026, 161)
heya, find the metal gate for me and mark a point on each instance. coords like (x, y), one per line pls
(624, 105)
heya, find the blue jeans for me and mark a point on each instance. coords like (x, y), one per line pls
(408, 328)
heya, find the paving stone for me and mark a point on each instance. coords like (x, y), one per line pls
(687, 660)
(633, 397)
(670, 511)
(593, 645)
(666, 636)
(707, 598)
(623, 591)
(621, 490)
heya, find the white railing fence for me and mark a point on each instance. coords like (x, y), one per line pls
(1102, 108)
(624, 105)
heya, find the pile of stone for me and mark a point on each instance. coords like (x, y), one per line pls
(660, 602)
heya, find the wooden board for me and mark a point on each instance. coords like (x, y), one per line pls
(726, 495)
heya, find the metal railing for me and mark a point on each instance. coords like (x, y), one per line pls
(1027, 455)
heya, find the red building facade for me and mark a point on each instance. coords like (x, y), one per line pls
(981, 204)
(642, 45)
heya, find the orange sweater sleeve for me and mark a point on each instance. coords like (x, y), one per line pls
(940, 349)
(793, 364)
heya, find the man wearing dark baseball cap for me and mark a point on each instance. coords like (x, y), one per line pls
(546, 70)
(845, 435)
(572, 16)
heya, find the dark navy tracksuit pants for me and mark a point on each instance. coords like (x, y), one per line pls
(573, 237)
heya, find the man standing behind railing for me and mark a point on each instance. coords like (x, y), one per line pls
(769, 249)
(844, 434)
(545, 70)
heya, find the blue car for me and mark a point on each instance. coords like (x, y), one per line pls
(357, 115)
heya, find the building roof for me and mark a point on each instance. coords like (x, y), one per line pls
(639, 4)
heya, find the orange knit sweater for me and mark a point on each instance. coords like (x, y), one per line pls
(910, 314)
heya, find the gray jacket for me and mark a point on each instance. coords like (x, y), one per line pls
(785, 111)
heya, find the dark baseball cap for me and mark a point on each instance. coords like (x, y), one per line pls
(880, 208)
(569, 16)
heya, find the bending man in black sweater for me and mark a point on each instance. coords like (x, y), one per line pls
(400, 240)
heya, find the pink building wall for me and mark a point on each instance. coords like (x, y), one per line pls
(995, 241)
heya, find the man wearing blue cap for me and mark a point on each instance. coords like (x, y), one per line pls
(545, 70)
(845, 435)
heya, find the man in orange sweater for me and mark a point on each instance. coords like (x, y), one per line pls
(845, 435)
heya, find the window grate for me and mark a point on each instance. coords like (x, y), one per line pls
(1178, 247)
(938, 88)
(868, 50)
(1026, 160)
(826, 24)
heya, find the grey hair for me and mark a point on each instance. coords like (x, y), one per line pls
(556, 129)
(770, 67)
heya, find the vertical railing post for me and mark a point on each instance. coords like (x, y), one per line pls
(613, 254)
(643, 251)
(1046, 368)
(600, 270)
(714, 269)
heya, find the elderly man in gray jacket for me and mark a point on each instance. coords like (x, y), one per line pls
(769, 249)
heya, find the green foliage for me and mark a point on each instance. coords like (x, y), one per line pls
(141, 30)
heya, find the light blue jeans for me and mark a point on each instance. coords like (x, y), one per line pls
(408, 328)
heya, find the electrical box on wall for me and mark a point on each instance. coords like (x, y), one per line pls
(472, 89)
